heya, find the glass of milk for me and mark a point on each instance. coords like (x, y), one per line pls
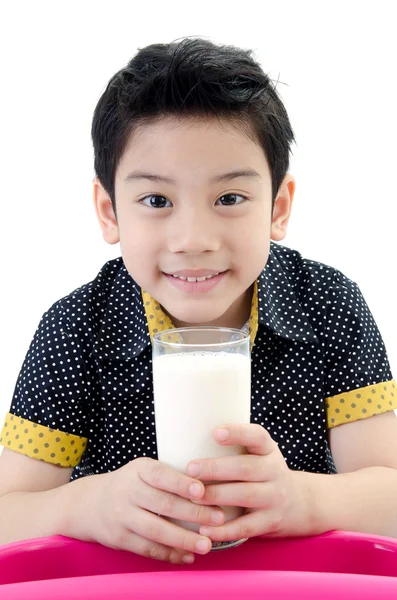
(202, 380)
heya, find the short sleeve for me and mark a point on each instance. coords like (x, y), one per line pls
(48, 414)
(358, 380)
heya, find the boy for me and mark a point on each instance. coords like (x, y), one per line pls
(192, 149)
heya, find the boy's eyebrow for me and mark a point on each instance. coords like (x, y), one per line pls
(134, 175)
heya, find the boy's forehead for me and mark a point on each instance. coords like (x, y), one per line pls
(219, 144)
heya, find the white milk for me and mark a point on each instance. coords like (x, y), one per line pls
(193, 394)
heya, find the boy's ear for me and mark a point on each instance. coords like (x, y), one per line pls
(282, 208)
(105, 213)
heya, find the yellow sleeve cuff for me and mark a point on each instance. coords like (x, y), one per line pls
(40, 442)
(361, 403)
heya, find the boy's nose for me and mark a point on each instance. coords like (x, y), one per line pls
(194, 233)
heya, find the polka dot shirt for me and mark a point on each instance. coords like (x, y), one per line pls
(84, 396)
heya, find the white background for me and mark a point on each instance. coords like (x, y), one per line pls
(336, 62)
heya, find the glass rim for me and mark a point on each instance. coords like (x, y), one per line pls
(244, 337)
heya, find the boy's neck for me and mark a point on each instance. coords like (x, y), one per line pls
(236, 316)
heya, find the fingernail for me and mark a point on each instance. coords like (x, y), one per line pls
(217, 517)
(222, 435)
(203, 545)
(195, 490)
(193, 470)
(188, 559)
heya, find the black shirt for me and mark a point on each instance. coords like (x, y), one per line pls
(84, 396)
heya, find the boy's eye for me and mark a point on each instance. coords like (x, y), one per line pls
(155, 201)
(230, 200)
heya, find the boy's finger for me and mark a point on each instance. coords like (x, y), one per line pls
(163, 477)
(254, 437)
(170, 505)
(247, 495)
(159, 530)
(246, 467)
(140, 545)
(247, 526)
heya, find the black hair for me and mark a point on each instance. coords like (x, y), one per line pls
(190, 78)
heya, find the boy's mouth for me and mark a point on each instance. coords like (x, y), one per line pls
(195, 280)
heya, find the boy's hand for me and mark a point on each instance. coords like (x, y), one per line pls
(121, 510)
(277, 504)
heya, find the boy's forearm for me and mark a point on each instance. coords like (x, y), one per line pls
(25, 515)
(362, 501)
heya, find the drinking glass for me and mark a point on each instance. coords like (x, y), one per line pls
(201, 380)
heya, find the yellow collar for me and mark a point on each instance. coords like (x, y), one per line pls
(157, 320)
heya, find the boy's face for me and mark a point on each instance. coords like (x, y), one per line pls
(184, 213)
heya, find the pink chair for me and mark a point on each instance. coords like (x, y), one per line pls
(334, 565)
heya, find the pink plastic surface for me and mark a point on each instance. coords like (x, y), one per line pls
(334, 565)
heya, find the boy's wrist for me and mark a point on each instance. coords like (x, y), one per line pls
(316, 496)
(73, 505)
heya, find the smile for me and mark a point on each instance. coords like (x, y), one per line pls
(191, 282)
(195, 279)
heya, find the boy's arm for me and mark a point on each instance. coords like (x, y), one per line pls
(30, 494)
(282, 502)
(363, 496)
(360, 395)
(120, 509)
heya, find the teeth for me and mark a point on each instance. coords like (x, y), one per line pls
(195, 279)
